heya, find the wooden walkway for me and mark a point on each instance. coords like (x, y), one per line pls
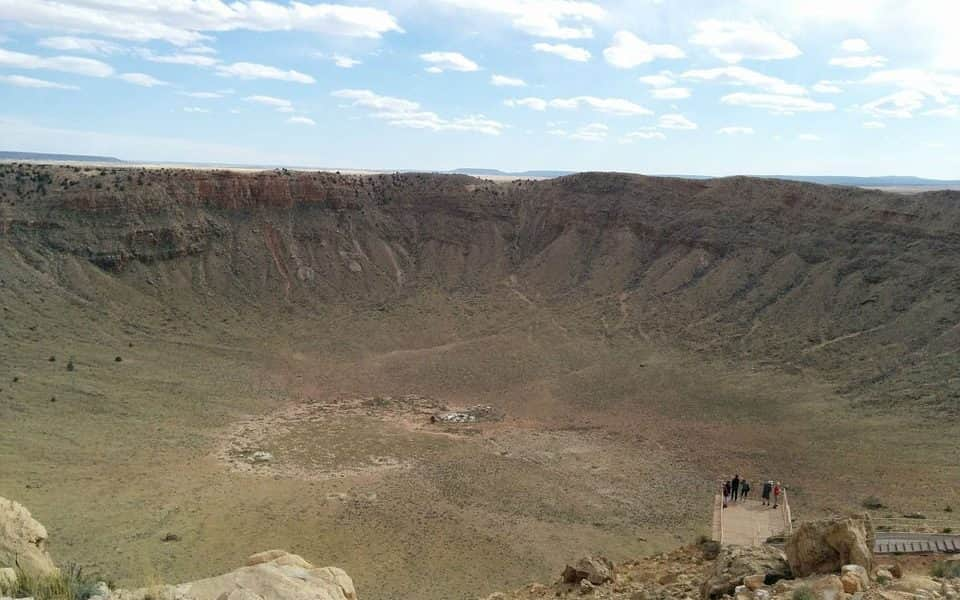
(749, 523)
(905, 543)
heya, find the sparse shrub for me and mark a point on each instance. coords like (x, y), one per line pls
(803, 593)
(872, 503)
(71, 583)
(948, 530)
(70, 365)
(16, 379)
(948, 508)
(52, 359)
(118, 359)
(947, 569)
(53, 398)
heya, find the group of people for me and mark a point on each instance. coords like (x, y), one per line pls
(739, 488)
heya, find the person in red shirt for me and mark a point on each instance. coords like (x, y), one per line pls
(777, 490)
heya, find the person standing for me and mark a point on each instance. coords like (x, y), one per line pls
(726, 493)
(765, 494)
(735, 487)
(777, 490)
(744, 489)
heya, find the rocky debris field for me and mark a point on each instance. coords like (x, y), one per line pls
(810, 569)
(814, 567)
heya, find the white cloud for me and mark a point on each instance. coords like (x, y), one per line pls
(345, 62)
(613, 106)
(531, 103)
(734, 41)
(504, 81)
(952, 111)
(187, 22)
(776, 103)
(628, 51)
(281, 104)
(827, 87)
(858, 62)
(736, 130)
(400, 112)
(301, 121)
(874, 125)
(195, 109)
(737, 75)
(30, 82)
(66, 64)
(643, 134)
(675, 121)
(594, 132)
(558, 19)
(564, 51)
(142, 79)
(448, 61)
(676, 93)
(194, 60)
(200, 49)
(75, 44)
(855, 45)
(661, 80)
(899, 105)
(245, 70)
(809, 137)
(207, 95)
(939, 86)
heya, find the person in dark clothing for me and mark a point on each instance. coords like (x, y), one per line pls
(735, 487)
(744, 489)
(765, 494)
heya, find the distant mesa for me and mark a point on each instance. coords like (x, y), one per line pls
(43, 156)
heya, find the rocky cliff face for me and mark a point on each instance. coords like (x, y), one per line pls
(858, 284)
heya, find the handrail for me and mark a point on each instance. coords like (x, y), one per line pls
(786, 511)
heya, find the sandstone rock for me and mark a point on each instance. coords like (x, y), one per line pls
(23, 540)
(818, 547)
(270, 575)
(915, 584)
(754, 582)
(734, 563)
(596, 570)
(858, 572)
(895, 569)
(827, 588)
(884, 574)
(851, 583)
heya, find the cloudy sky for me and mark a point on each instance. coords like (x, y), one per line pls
(713, 87)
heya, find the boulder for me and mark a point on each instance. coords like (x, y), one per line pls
(858, 573)
(851, 583)
(820, 547)
(827, 588)
(23, 541)
(915, 584)
(597, 570)
(754, 582)
(271, 575)
(735, 563)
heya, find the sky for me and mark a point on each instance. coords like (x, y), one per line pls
(700, 87)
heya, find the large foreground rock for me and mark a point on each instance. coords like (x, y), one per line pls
(821, 547)
(23, 540)
(271, 575)
(597, 570)
(734, 563)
